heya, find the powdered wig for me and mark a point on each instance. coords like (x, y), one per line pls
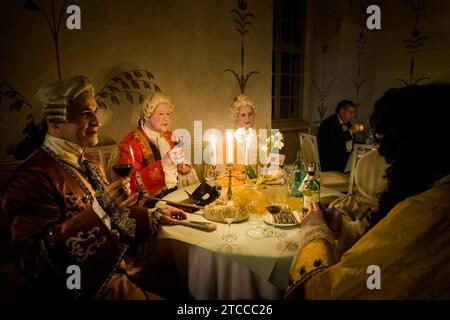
(239, 102)
(151, 102)
(55, 97)
(411, 127)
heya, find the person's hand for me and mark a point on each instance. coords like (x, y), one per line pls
(314, 216)
(184, 168)
(334, 221)
(120, 192)
(172, 215)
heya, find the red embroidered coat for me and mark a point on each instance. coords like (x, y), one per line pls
(147, 176)
(53, 226)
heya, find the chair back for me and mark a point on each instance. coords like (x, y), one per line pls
(309, 149)
(103, 155)
(366, 178)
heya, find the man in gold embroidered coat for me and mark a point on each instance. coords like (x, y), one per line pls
(63, 212)
(406, 252)
(158, 163)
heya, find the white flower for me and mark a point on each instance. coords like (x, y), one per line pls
(243, 134)
(277, 140)
(274, 141)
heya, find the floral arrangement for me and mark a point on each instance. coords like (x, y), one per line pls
(270, 174)
(274, 141)
(242, 134)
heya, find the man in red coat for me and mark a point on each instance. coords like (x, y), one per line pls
(65, 216)
(158, 162)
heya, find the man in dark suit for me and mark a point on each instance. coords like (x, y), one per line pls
(336, 137)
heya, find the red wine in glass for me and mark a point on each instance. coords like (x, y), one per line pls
(122, 160)
(273, 209)
(122, 169)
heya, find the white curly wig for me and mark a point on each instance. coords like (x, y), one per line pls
(151, 102)
(241, 101)
(55, 97)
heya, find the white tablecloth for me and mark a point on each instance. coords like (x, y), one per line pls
(253, 267)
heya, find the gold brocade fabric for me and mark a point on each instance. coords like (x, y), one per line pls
(411, 246)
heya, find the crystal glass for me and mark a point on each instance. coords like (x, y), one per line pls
(229, 214)
(122, 160)
(273, 209)
(254, 216)
(210, 173)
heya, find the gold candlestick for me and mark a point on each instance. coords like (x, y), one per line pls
(229, 170)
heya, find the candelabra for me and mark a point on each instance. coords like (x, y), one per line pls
(229, 171)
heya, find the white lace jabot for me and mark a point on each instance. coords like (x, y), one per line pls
(67, 151)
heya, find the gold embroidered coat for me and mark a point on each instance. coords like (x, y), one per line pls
(53, 226)
(147, 175)
(411, 246)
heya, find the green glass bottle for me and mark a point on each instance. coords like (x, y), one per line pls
(311, 191)
(299, 175)
(250, 172)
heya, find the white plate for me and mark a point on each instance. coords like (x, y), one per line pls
(268, 219)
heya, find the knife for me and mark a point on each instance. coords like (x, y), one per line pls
(207, 226)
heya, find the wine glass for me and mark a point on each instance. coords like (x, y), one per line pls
(273, 209)
(122, 161)
(254, 217)
(229, 214)
(210, 173)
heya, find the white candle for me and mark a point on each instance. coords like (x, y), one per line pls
(247, 147)
(230, 150)
(213, 154)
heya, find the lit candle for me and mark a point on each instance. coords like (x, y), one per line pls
(247, 147)
(230, 150)
(213, 150)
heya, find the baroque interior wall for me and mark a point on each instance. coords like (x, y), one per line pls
(186, 45)
(384, 61)
(346, 60)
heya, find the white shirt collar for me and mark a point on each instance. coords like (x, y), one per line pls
(152, 134)
(67, 151)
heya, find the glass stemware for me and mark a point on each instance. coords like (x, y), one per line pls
(122, 161)
(273, 209)
(229, 214)
(210, 173)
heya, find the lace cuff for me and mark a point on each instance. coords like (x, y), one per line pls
(120, 218)
(310, 233)
(154, 215)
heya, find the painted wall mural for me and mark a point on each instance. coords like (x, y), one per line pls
(323, 86)
(360, 46)
(133, 84)
(416, 42)
(53, 14)
(242, 18)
